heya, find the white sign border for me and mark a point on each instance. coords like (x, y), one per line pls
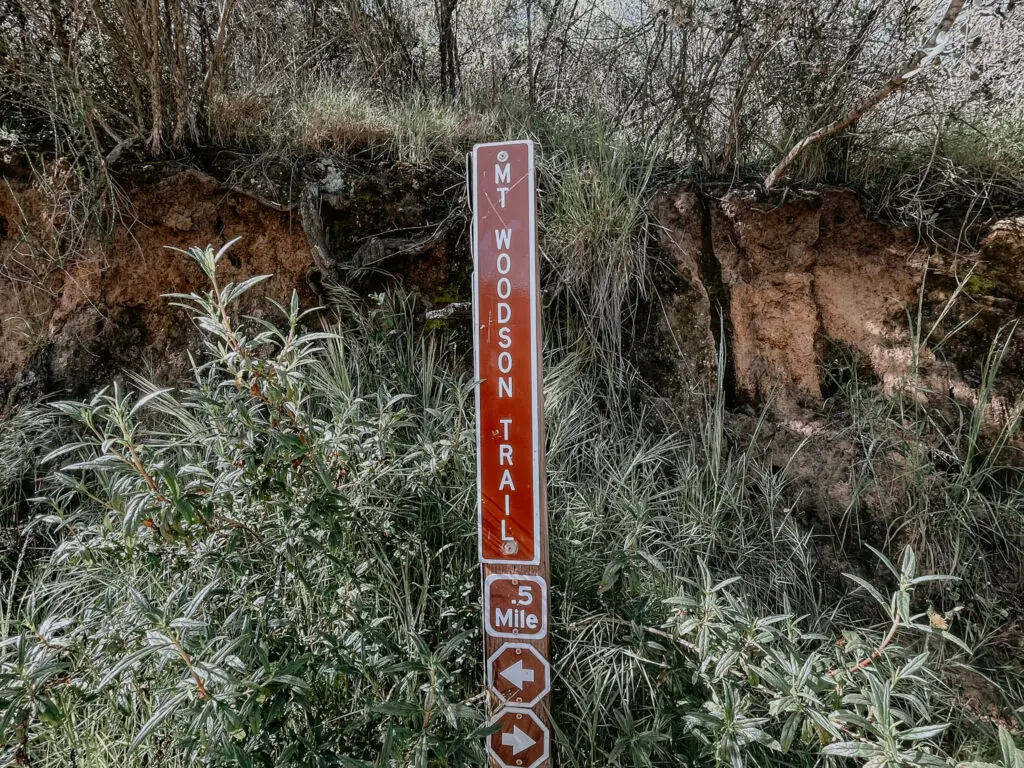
(535, 384)
(539, 580)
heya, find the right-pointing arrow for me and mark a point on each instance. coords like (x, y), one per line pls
(518, 740)
(518, 674)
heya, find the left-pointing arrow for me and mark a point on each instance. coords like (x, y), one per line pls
(518, 740)
(518, 674)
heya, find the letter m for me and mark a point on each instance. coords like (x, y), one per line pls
(502, 173)
(502, 618)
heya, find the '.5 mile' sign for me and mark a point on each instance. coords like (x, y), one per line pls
(510, 454)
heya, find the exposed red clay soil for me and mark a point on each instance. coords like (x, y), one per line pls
(812, 271)
(105, 308)
(798, 282)
(74, 322)
(791, 281)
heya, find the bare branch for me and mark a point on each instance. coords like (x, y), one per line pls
(876, 97)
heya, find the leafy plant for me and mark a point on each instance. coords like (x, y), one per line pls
(247, 559)
(771, 686)
(276, 565)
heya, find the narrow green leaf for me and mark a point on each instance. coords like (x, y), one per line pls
(923, 732)
(165, 710)
(853, 749)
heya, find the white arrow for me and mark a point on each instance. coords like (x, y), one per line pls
(518, 674)
(518, 740)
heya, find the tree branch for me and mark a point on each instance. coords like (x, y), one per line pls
(920, 58)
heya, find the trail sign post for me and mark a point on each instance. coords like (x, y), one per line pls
(511, 478)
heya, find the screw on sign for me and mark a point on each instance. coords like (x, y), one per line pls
(521, 741)
(518, 674)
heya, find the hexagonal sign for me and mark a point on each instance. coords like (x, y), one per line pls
(518, 675)
(522, 740)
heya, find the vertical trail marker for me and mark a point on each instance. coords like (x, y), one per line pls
(511, 477)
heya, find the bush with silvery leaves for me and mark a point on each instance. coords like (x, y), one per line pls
(276, 565)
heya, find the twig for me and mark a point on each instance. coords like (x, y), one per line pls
(866, 661)
(232, 523)
(200, 685)
(142, 471)
(135, 462)
(678, 641)
(458, 310)
(873, 99)
(115, 154)
(649, 630)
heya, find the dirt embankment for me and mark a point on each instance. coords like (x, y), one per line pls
(800, 283)
(794, 283)
(806, 290)
(810, 292)
(72, 323)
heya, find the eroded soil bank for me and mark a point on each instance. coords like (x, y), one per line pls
(806, 289)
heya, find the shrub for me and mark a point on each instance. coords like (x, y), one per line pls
(276, 565)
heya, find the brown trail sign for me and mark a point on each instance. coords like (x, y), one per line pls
(518, 675)
(511, 478)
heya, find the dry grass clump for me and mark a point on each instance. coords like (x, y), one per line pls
(332, 115)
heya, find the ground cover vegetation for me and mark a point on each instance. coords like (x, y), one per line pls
(274, 563)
